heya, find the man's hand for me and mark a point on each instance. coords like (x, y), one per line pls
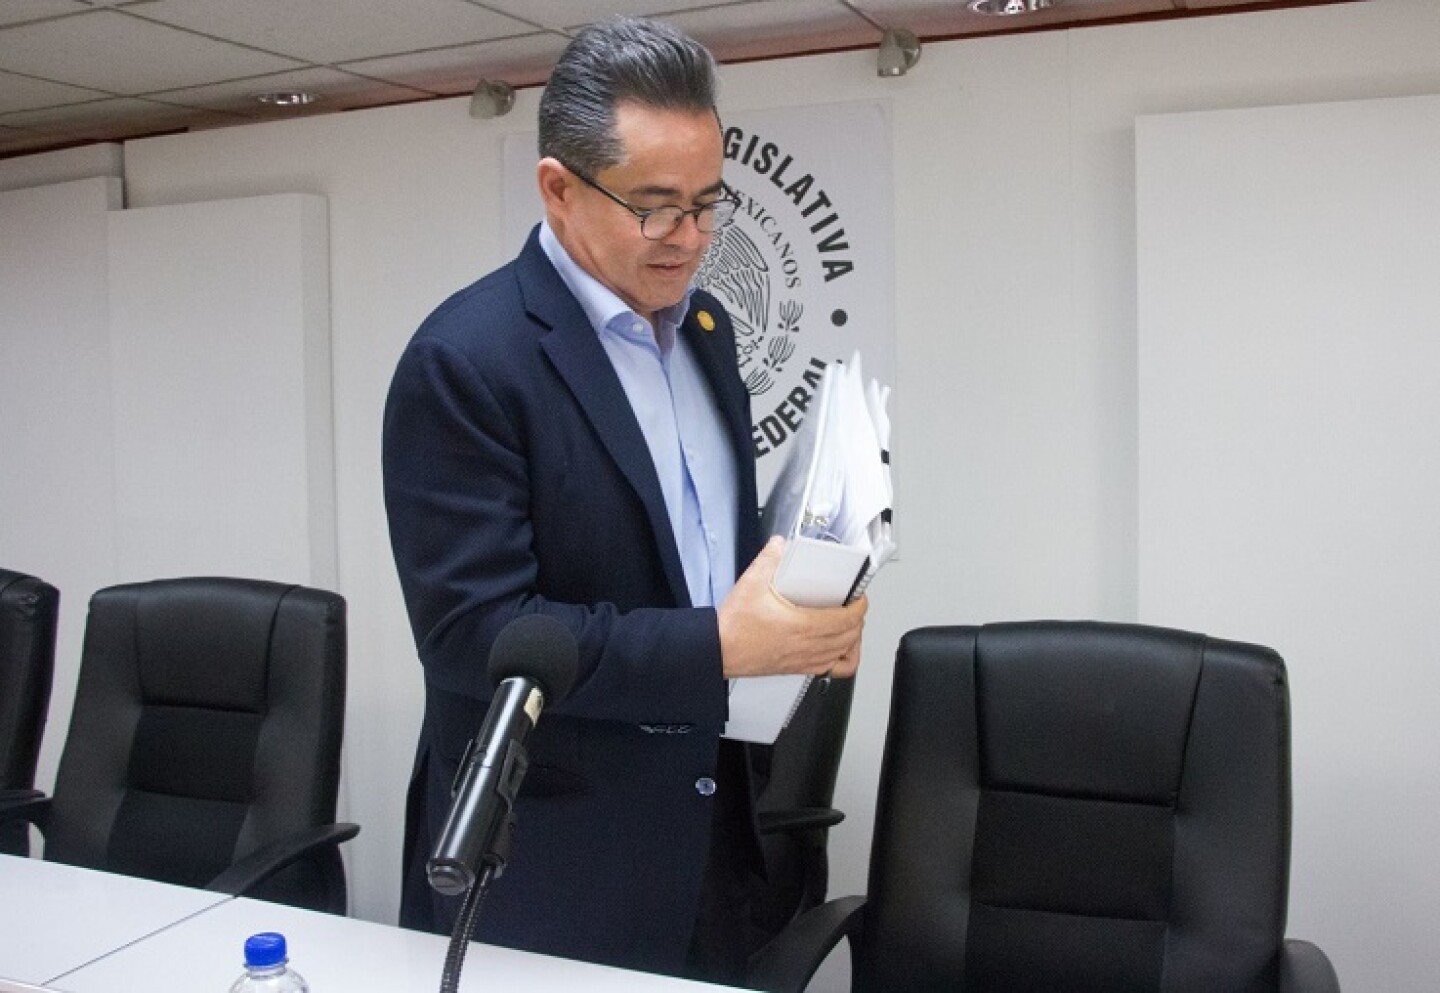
(763, 634)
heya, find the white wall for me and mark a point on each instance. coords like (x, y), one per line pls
(1288, 424)
(220, 378)
(57, 470)
(70, 164)
(1016, 425)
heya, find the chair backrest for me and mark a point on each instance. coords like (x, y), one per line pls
(29, 610)
(800, 775)
(1080, 806)
(208, 722)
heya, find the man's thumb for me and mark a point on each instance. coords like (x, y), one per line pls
(769, 558)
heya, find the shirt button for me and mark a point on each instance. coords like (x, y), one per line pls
(705, 786)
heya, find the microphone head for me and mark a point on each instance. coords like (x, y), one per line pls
(539, 648)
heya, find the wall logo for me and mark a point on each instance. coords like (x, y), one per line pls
(780, 269)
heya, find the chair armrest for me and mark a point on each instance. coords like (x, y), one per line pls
(263, 863)
(786, 964)
(1304, 968)
(18, 810)
(30, 806)
(797, 819)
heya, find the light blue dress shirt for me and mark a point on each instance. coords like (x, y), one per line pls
(683, 429)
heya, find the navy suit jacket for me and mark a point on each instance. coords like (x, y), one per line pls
(517, 480)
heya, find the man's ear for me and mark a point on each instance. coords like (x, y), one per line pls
(557, 186)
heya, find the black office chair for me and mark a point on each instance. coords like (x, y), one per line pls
(1074, 806)
(29, 610)
(794, 808)
(204, 746)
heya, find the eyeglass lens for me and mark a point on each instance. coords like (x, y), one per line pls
(662, 221)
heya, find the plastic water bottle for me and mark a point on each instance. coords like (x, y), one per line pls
(267, 968)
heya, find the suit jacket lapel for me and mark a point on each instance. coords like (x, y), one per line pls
(580, 359)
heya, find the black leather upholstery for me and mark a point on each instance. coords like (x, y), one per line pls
(29, 611)
(207, 729)
(794, 808)
(1077, 806)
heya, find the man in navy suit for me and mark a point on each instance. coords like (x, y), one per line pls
(570, 435)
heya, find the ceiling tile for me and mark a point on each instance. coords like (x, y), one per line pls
(776, 28)
(573, 13)
(312, 31)
(25, 93)
(334, 89)
(952, 17)
(112, 51)
(73, 55)
(452, 71)
(19, 11)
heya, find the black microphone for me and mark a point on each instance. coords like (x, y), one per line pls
(532, 664)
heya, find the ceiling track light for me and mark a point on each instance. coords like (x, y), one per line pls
(492, 98)
(899, 51)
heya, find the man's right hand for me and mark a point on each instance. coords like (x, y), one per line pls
(763, 634)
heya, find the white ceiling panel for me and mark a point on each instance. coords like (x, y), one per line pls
(312, 31)
(26, 93)
(19, 11)
(558, 14)
(778, 28)
(342, 91)
(454, 71)
(953, 17)
(111, 51)
(57, 56)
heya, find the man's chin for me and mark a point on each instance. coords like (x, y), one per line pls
(671, 287)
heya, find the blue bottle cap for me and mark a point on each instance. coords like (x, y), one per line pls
(264, 950)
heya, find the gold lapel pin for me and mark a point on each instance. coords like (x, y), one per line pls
(703, 318)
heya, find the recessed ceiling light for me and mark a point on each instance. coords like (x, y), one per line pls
(286, 98)
(1007, 8)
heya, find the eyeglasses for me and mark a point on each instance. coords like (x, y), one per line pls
(659, 223)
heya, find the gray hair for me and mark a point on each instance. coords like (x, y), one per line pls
(611, 62)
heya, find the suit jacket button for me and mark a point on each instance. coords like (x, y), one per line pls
(705, 786)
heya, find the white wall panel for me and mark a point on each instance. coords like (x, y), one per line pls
(1289, 433)
(219, 327)
(57, 484)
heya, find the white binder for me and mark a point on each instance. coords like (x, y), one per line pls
(831, 503)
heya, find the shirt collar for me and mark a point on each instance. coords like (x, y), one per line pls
(606, 311)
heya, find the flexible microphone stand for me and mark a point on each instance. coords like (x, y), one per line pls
(464, 926)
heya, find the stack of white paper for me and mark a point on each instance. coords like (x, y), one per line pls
(832, 503)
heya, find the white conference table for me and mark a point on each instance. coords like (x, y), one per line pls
(93, 932)
(56, 918)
